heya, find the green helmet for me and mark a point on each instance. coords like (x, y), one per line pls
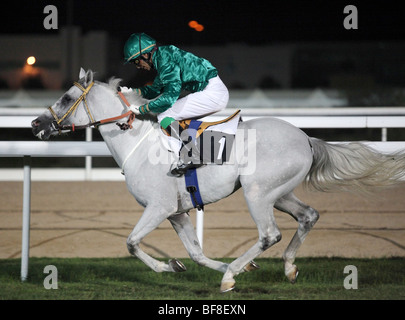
(137, 44)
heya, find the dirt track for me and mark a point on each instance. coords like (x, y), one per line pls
(93, 219)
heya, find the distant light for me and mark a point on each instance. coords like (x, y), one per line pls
(199, 28)
(196, 26)
(193, 24)
(31, 60)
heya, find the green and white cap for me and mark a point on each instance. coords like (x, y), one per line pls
(137, 44)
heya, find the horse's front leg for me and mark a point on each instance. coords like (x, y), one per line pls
(185, 230)
(151, 218)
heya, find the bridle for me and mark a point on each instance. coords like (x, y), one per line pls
(57, 123)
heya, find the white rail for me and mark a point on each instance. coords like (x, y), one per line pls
(323, 118)
(28, 149)
(300, 121)
(378, 117)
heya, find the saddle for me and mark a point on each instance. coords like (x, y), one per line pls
(204, 125)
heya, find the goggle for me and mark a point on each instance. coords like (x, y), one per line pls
(136, 61)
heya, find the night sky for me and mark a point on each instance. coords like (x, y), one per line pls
(250, 21)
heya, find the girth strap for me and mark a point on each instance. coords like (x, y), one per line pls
(193, 188)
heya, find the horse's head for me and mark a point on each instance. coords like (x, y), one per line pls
(66, 110)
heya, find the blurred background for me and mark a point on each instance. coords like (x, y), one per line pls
(273, 54)
(255, 44)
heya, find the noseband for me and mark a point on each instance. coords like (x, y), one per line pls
(57, 123)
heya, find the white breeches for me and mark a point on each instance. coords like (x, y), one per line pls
(213, 98)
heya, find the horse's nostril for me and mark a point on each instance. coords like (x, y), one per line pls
(35, 123)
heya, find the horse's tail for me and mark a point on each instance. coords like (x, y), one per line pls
(353, 167)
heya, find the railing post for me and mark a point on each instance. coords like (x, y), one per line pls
(200, 226)
(25, 247)
(88, 165)
(384, 134)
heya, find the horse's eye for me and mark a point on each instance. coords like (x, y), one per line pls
(66, 99)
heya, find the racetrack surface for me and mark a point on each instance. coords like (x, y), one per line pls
(94, 219)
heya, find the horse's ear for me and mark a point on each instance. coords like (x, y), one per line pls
(82, 73)
(89, 76)
(86, 76)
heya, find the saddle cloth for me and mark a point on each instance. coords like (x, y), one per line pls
(213, 139)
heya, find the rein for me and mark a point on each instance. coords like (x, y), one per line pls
(57, 123)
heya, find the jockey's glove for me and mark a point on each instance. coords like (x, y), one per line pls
(134, 109)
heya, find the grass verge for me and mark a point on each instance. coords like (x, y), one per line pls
(129, 279)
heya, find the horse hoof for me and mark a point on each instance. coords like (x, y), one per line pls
(227, 286)
(251, 266)
(292, 273)
(177, 266)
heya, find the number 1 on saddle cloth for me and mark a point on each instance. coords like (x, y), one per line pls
(211, 147)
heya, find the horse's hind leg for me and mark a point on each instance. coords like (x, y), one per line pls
(306, 218)
(185, 229)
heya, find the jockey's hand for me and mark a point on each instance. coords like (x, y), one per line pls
(134, 109)
(125, 90)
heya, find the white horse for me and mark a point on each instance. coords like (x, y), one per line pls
(285, 157)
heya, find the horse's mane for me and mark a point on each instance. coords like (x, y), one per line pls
(133, 97)
(112, 85)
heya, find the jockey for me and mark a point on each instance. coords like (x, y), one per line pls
(176, 70)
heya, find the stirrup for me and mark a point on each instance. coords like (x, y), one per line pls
(182, 168)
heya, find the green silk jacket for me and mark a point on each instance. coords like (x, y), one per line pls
(176, 70)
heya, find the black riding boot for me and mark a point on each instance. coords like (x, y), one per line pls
(189, 155)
